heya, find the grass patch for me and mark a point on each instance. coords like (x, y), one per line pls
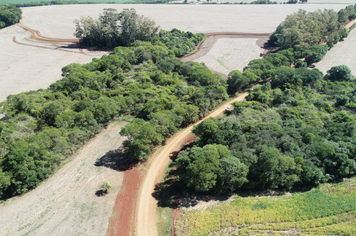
(164, 220)
(329, 209)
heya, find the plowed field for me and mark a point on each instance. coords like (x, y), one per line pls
(66, 203)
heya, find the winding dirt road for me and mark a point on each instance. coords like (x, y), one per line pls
(147, 204)
(37, 35)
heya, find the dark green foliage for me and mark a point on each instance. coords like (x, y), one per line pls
(315, 53)
(114, 29)
(302, 29)
(179, 42)
(9, 15)
(42, 128)
(199, 168)
(339, 73)
(298, 131)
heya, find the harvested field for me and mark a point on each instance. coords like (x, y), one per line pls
(28, 64)
(57, 21)
(340, 55)
(66, 203)
(224, 53)
(282, 1)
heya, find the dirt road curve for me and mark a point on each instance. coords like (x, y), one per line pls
(37, 35)
(146, 207)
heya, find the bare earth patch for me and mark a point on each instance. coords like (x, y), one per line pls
(66, 203)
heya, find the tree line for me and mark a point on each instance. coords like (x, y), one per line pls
(113, 29)
(9, 15)
(296, 131)
(146, 80)
(304, 29)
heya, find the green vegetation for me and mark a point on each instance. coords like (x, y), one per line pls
(297, 131)
(302, 29)
(122, 29)
(327, 210)
(114, 29)
(105, 187)
(9, 15)
(42, 128)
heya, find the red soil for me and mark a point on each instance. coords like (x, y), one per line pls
(122, 220)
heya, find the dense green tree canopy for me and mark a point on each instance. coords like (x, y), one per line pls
(297, 131)
(303, 29)
(9, 15)
(114, 29)
(42, 128)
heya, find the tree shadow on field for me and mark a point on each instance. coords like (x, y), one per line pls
(91, 49)
(116, 160)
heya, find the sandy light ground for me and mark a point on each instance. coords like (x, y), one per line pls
(66, 203)
(229, 54)
(147, 204)
(341, 54)
(57, 21)
(27, 64)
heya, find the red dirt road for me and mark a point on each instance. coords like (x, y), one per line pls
(122, 223)
(147, 204)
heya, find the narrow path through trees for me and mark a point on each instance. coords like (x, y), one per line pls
(147, 204)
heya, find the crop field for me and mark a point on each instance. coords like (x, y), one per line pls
(57, 21)
(26, 67)
(229, 54)
(340, 55)
(26, 64)
(327, 210)
(85, 1)
(66, 203)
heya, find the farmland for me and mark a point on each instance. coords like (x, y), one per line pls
(329, 209)
(222, 53)
(340, 55)
(18, 62)
(66, 203)
(19, 66)
(32, 64)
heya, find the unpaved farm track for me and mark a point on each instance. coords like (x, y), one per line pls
(66, 203)
(147, 204)
(211, 38)
(37, 35)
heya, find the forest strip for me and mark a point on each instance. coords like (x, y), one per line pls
(147, 204)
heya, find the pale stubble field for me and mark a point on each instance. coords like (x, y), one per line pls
(341, 54)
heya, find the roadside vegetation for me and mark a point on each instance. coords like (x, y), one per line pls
(41, 128)
(295, 131)
(9, 15)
